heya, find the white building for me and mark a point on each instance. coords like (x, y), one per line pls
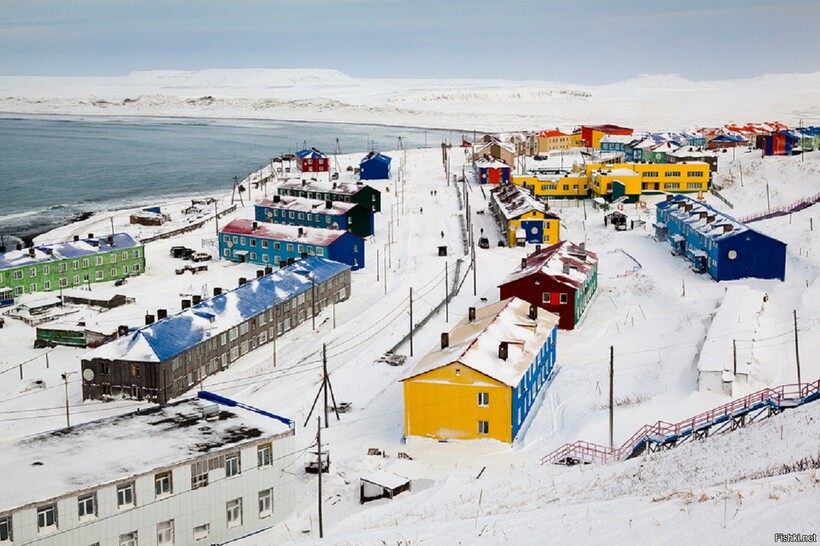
(186, 473)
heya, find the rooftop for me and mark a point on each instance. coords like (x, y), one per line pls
(70, 249)
(283, 232)
(42, 467)
(515, 201)
(376, 156)
(303, 204)
(715, 229)
(550, 261)
(338, 188)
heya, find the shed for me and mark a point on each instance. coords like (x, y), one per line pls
(374, 166)
(616, 218)
(382, 485)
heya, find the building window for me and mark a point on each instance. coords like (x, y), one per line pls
(99, 275)
(135, 254)
(671, 186)
(113, 271)
(135, 370)
(163, 484)
(5, 529)
(32, 288)
(63, 267)
(18, 274)
(673, 174)
(76, 279)
(165, 533)
(199, 474)
(112, 258)
(264, 244)
(47, 517)
(86, 506)
(32, 272)
(545, 297)
(47, 286)
(483, 427)
(46, 270)
(242, 241)
(563, 298)
(98, 260)
(263, 455)
(75, 264)
(202, 531)
(136, 268)
(125, 495)
(289, 247)
(234, 513)
(253, 242)
(265, 503)
(693, 185)
(232, 465)
(124, 270)
(483, 399)
(277, 246)
(129, 539)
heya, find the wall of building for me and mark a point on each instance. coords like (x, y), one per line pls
(524, 395)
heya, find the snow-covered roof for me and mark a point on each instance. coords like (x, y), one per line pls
(475, 344)
(515, 201)
(490, 162)
(618, 172)
(486, 146)
(303, 204)
(70, 249)
(665, 146)
(721, 227)
(550, 261)
(551, 133)
(736, 318)
(376, 156)
(169, 337)
(310, 153)
(617, 139)
(40, 468)
(283, 232)
(338, 188)
(385, 479)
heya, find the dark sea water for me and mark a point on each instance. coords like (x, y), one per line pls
(56, 170)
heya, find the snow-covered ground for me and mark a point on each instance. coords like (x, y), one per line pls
(654, 311)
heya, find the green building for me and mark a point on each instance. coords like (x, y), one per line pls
(45, 268)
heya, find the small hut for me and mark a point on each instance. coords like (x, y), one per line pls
(382, 485)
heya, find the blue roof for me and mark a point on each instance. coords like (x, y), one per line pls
(376, 156)
(310, 153)
(171, 336)
(728, 138)
(59, 251)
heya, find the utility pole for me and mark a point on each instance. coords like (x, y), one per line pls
(611, 396)
(216, 221)
(472, 246)
(734, 357)
(313, 300)
(324, 379)
(275, 332)
(796, 349)
(411, 321)
(384, 263)
(377, 265)
(321, 468)
(446, 293)
(65, 381)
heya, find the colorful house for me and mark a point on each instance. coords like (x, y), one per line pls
(495, 150)
(311, 160)
(561, 279)
(45, 268)
(591, 135)
(728, 140)
(366, 196)
(616, 182)
(491, 171)
(554, 186)
(690, 154)
(300, 211)
(717, 243)
(522, 217)
(374, 166)
(553, 140)
(657, 153)
(483, 380)
(276, 244)
(780, 143)
(677, 178)
(615, 143)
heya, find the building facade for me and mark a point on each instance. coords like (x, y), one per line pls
(677, 178)
(591, 135)
(276, 244)
(45, 268)
(553, 140)
(166, 358)
(561, 279)
(311, 160)
(483, 380)
(554, 186)
(491, 171)
(187, 473)
(359, 193)
(375, 166)
(316, 213)
(716, 243)
(523, 218)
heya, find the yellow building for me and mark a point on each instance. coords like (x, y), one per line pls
(553, 140)
(522, 217)
(616, 182)
(568, 186)
(483, 379)
(575, 140)
(668, 177)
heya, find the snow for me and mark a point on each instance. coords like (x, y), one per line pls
(650, 307)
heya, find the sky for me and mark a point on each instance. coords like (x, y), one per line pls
(578, 41)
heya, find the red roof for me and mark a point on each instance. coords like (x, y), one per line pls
(609, 129)
(552, 133)
(550, 262)
(283, 232)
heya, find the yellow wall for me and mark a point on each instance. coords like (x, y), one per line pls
(601, 184)
(440, 404)
(551, 230)
(548, 144)
(575, 140)
(562, 188)
(660, 177)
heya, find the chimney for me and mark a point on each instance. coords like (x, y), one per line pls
(242, 281)
(328, 204)
(2, 248)
(162, 313)
(582, 247)
(503, 350)
(196, 299)
(703, 214)
(260, 273)
(291, 261)
(122, 330)
(537, 249)
(90, 235)
(668, 197)
(301, 232)
(523, 263)
(283, 264)
(566, 268)
(19, 246)
(110, 240)
(710, 218)
(533, 314)
(304, 255)
(186, 304)
(76, 238)
(471, 314)
(217, 291)
(727, 228)
(688, 207)
(268, 270)
(31, 252)
(445, 340)
(254, 226)
(334, 185)
(149, 319)
(276, 199)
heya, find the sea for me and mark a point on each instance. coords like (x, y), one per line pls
(57, 170)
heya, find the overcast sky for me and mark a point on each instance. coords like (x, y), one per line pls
(575, 41)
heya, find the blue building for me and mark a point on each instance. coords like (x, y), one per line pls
(374, 166)
(717, 243)
(276, 244)
(615, 143)
(299, 211)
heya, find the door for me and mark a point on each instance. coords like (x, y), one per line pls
(534, 230)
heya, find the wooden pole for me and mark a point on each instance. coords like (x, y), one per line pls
(324, 379)
(321, 466)
(796, 348)
(446, 293)
(377, 265)
(411, 321)
(734, 356)
(611, 396)
(384, 262)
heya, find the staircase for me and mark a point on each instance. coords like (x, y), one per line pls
(662, 435)
(781, 211)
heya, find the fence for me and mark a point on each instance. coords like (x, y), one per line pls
(189, 227)
(799, 205)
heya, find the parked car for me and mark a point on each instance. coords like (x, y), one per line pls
(120, 282)
(176, 251)
(483, 242)
(501, 242)
(192, 268)
(200, 257)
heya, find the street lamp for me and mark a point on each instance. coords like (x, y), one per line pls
(312, 294)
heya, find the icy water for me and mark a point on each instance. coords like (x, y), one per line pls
(54, 170)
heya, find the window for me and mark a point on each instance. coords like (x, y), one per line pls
(75, 264)
(18, 274)
(243, 347)
(113, 271)
(18, 291)
(264, 244)
(277, 246)
(98, 275)
(136, 268)
(265, 258)
(63, 267)
(243, 328)
(85, 263)
(98, 260)
(135, 253)
(242, 241)
(233, 333)
(289, 247)
(46, 270)
(545, 297)
(693, 174)
(234, 513)
(32, 272)
(32, 288)
(253, 242)
(263, 455)
(113, 258)
(129, 539)
(320, 251)
(76, 279)
(202, 531)
(5, 529)
(125, 495)
(135, 370)
(693, 185)
(563, 298)
(199, 474)
(671, 186)
(47, 286)
(163, 484)
(253, 256)
(86, 506)
(232, 465)
(165, 532)
(650, 174)
(124, 270)
(235, 239)
(483, 399)
(234, 353)
(265, 503)
(483, 427)
(673, 174)
(47, 516)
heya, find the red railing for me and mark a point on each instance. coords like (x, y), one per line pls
(596, 453)
(779, 211)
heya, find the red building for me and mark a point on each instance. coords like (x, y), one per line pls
(312, 160)
(561, 278)
(490, 170)
(591, 135)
